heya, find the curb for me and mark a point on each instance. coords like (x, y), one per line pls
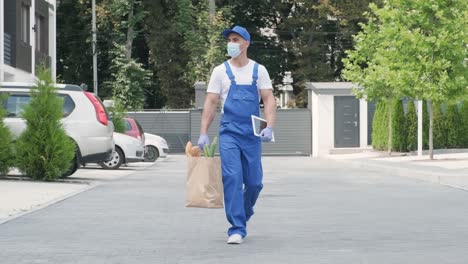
(456, 180)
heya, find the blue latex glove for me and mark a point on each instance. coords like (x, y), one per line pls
(203, 140)
(267, 134)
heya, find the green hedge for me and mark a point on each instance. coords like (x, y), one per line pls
(450, 128)
(454, 127)
(6, 146)
(464, 123)
(439, 128)
(411, 127)
(399, 133)
(380, 127)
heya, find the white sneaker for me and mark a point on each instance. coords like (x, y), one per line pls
(235, 239)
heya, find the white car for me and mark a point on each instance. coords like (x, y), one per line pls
(85, 120)
(155, 147)
(127, 149)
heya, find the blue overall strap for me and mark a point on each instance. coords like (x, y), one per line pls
(229, 73)
(255, 75)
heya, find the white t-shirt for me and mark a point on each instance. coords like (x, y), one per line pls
(220, 83)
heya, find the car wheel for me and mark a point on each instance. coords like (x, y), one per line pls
(73, 167)
(115, 162)
(151, 153)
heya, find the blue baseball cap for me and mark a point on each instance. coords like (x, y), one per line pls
(238, 30)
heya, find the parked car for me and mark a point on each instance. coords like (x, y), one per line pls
(134, 129)
(127, 149)
(155, 147)
(85, 120)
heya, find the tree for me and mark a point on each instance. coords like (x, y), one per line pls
(44, 151)
(6, 145)
(315, 35)
(411, 127)
(129, 80)
(398, 126)
(454, 126)
(427, 43)
(372, 64)
(433, 51)
(168, 56)
(74, 50)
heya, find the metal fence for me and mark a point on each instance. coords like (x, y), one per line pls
(293, 129)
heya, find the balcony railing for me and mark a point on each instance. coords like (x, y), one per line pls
(8, 49)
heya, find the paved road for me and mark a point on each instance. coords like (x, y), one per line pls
(311, 211)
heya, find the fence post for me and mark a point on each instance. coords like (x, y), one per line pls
(200, 94)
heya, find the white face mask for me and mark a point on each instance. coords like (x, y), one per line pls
(233, 49)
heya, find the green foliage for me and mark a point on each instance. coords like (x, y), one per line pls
(168, 55)
(440, 129)
(454, 127)
(129, 80)
(425, 126)
(464, 123)
(415, 48)
(44, 151)
(380, 127)
(117, 111)
(6, 146)
(399, 132)
(411, 127)
(74, 49)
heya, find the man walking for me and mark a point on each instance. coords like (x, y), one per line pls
(240, 83)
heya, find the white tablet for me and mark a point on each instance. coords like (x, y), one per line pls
(258, 125)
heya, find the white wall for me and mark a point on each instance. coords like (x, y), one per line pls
(323, 124)
(323, 121)
(363, 123)
(17, 75)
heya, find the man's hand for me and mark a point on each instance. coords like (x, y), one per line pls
(267, 134)
(203, 140)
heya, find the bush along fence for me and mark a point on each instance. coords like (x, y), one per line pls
(450, 126)
(6, 146)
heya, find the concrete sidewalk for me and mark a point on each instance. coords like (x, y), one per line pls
(20, 196)
(449, 167)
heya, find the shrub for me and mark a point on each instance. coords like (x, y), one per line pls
(454, 127)
(6, 146)
(464, 123)
(379, 126)
(399, 134)
(411, 127)
(117, 112)
(440, 131)
(425, 126)
(44, 151)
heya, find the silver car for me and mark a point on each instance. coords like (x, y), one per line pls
(85, 120)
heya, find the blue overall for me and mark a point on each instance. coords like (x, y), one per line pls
(240, 152)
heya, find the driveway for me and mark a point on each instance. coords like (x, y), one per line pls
(310, 211)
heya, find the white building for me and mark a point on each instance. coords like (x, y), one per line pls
(341, 123)
(27, 38)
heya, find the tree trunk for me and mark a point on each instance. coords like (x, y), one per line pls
(431, 126)
(130, 35)
(390, 132)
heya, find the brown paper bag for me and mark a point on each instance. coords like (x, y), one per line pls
(204, 187)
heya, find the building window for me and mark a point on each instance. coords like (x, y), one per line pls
(38, 31)
(25, 24)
